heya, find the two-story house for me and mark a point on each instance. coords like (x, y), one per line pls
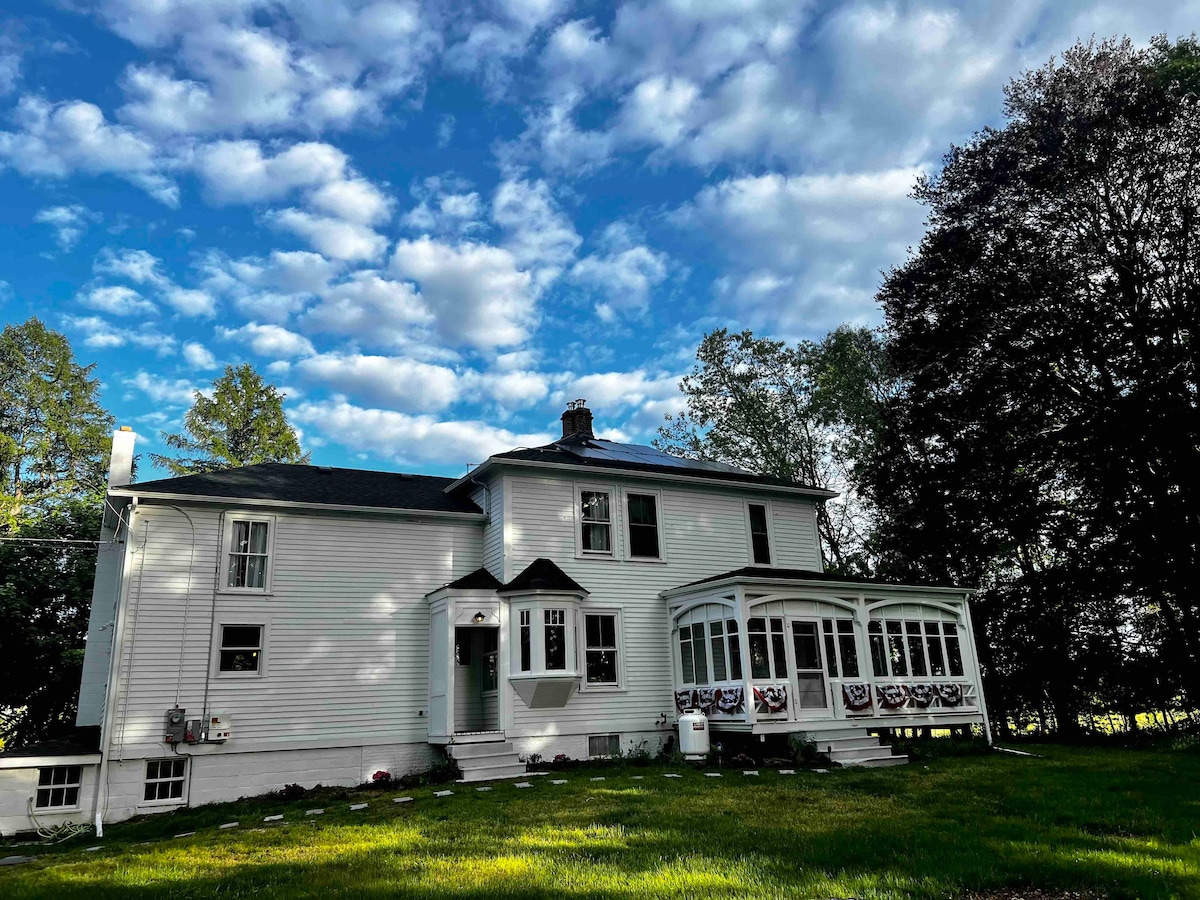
(278, 623)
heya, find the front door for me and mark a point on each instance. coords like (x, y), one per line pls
(809, 687)
(476, 707)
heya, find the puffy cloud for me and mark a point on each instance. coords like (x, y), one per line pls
(179, 391)
(409, 438)
(198, 356)
(446, 207)
(539, 235)
(335, 238)
(643, 397)
(476, 293)
(238, 172)
(117, 300)
(10, 64)
(512, 389)
(189, 301)
(353, 199)
(69, 223)
(138, 266)
(623, 277)
(372, 308)
(269, 340)
(102, 335)
(55, 140)
(391, 381)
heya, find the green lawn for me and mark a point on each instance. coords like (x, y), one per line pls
(1113, 822)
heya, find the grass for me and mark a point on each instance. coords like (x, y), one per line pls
(1113, 822)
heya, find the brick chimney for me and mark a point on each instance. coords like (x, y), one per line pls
(577, 420)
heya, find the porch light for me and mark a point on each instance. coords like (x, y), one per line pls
(478, 617)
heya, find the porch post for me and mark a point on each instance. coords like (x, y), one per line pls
(987, 725)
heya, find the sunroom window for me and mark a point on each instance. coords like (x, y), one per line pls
(767, 646)
(556, 639)
(841, 650)
(920, 648)
(709, 651)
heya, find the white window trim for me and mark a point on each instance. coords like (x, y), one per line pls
(264, 656)
(49, 810)
(182, 799)
(537, 637)
(628, 527)
(772, 545)
(226, 549)
(615, 526)
(581, 651)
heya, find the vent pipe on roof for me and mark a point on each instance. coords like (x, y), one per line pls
(120, 463)
(577, 420)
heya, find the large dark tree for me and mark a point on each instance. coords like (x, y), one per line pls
(1046, 442)
(806, 413)
(241, 424)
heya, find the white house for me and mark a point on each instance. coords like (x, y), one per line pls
(275, 624)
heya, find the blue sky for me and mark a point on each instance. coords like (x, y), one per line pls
(433, 224)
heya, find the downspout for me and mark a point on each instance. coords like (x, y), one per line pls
(114, 663)
(488, 491)
(987, 724)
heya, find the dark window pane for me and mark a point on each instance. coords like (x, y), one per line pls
(878, 656)
(831, 656)
(601, 667)
(735, 650)
(556, 647)
(596, 538)
(716, 632)
(804, 641)
(642, 510)
(525, 648)
(685, 655)
(954, 655)
(176, 789)
(916, 648)
(591, 627)
(700, 654)
(896, 649)
(643, 541)
(779, 648)
(240, 636)
(758, 534)
(760, 660)
(849, 650)
(933, 644)
(239, 660)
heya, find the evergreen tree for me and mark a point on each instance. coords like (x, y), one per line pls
(241, 424)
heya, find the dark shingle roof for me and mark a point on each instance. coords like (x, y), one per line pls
(317, 484)
(480, 579)
(543, 575)
(573, 451)
(771, 574)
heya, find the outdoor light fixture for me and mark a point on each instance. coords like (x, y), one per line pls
(478, 617)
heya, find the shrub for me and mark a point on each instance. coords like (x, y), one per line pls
(290, 792)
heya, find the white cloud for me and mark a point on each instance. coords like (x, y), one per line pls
(117, 300)
(511, 389)
(138, 266)
(623, 278)
(10, 65)
(269, 340)
(335, 238)
(189, 301)
(55, 140)
(394, 382)
(643, 397)
(376, 310)
(446, 207)
(540, 236)
(238, 172)
(198, 356)
(476, 292)
(353, 199)
(69, 223)
(102, 335)
(178, 391)
(410, 438)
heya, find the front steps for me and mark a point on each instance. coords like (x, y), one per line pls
(492, 761)
(852, 747)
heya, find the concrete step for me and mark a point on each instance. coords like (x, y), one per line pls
(475, 751)
(495, 772)
(876, 762)
(849, 743)
(837, 734)
(841, 754)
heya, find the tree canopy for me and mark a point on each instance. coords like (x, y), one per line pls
(241, 424)
(1046, 438)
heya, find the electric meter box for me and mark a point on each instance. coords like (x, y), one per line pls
(220, 728)
(175, 727)
(194, 733)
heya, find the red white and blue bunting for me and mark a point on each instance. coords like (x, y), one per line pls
(727, 700)
(856, 696)
(950, 694)
(891, 696)
(921, 694)
(771, 698)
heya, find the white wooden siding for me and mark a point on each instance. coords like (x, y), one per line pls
(704, 531)
(348, 655)
(491, 502)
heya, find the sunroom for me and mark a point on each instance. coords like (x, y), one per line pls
(776, 650)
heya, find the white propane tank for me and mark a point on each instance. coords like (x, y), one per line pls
(693, 734)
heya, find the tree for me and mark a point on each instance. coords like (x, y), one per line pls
(241, 424)
(1045, 441)
(806, 413)
(54, 435)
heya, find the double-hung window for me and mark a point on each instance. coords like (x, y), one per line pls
(240, 649)
(644, 539)
(760, 537)
(164, 779)
(600, 649)
(248, 553)
(556, 639)
(595, 516)
(58, 787)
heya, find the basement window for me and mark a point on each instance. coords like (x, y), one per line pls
(164, 779)
(601, 745)
(58, 787)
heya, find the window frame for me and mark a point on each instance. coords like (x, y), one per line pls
(628, 525)
(771, 543)
(834, 647)
(236, 620)
(50, 788)
(230, 518)
(619, 649)
(903, 639)
(183, 780)
(537, 609)
(614, 519)
(608, 736)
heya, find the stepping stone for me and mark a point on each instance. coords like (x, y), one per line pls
(638, 777)
(750, 772)
(482, 789)
(278, 818)
(443, 793)
(186, 834)
(713, 775)
(787, 771)
(314, 812)
(402, 800)
(91, 849)
(522, 784)
(559, 781)
(355, 807)
(672, 775)
(536, 774)
(16, 860)
(821, 771)
(598, 778)
(231, 824)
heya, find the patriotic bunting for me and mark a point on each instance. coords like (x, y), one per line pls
(856, 697)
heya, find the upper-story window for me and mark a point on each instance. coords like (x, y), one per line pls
(644, 540)
(760, 537)
(248, 553)
(595, 515)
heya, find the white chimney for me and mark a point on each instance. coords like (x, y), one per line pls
(120, 464)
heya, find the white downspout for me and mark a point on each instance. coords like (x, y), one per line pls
(987, 724)
(114, 666)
